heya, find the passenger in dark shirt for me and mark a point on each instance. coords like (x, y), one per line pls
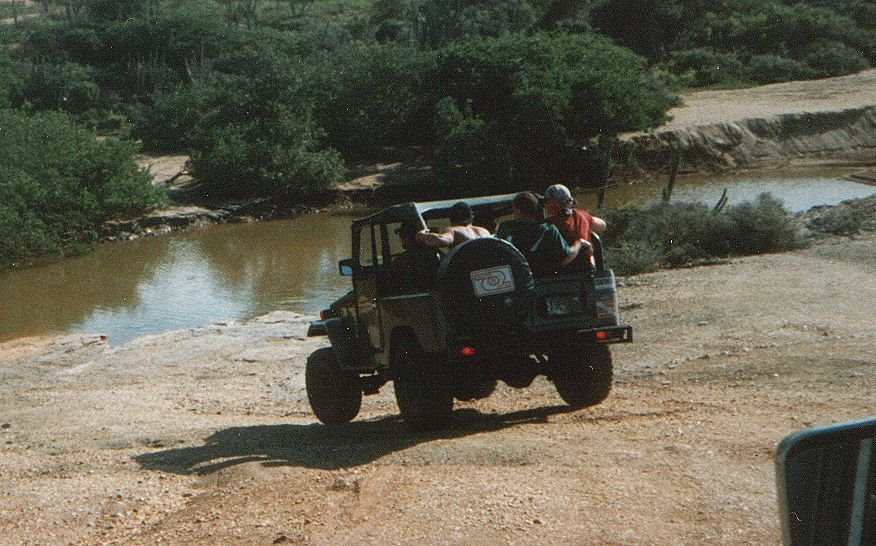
(540, 243)
(414, 269)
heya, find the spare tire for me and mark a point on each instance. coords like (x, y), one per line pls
(483, 286)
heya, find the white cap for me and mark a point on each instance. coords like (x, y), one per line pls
(562, 194)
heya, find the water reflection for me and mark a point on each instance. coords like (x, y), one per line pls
(239, 271)
(798, 190)
(189, 279)
(54, 296)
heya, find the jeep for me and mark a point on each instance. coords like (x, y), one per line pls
(463, 321)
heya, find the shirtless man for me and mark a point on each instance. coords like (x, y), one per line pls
(460, 230)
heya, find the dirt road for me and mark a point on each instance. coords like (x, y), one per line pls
(731, 105)
(204, 436)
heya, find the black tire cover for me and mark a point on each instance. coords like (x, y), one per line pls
(484, 285)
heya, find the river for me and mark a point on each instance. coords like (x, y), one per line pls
(235, 272)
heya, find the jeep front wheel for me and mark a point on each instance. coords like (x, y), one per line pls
(422, 386)
(582, 379)
(334, 393)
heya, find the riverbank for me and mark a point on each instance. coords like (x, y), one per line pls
(204, 435)
(828, 120)
(819, 122)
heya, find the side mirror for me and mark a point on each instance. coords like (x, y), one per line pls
(826, 478)
(345, 267)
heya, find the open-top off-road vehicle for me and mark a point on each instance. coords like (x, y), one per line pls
(456, 323)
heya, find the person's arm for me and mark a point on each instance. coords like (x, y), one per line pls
(574, 249)
(597, 225)
(561, 251)
(435, 239)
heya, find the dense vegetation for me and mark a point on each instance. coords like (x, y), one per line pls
(279, 98)
(643, 239)
(59, 183)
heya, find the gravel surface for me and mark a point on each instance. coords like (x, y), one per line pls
(205, 436)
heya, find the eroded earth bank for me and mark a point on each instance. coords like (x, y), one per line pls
(204, 436)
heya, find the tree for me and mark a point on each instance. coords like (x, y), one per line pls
(59, 183)
(520, 100)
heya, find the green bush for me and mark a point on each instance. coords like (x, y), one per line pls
(839, 220)
(60, 183)
(775, 68)
(650, 28)
(631, 258)
(763, 226)
(642, 239)
(101, 11)
(22, 233)
(167, 124)
(835, 59)
(440, 22)
(256, 138)
(370, 96)
(703, 67)
(469, 159)
(67, 87)
(530, 96)
(10, 82)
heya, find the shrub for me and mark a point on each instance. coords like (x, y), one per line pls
(440, 22)
(835, 59)
(167, 124)
(633, 258)
(468, 160)
(703, 67)
(22, 233)
(775, 68)
(60, 183)
(531, 96)
(369, 96)
(665, 235)
(763, 226)
(10, 83)
(839, 220)
(256, 138)
(68, 87)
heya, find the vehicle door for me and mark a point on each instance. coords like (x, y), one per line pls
(373, 257)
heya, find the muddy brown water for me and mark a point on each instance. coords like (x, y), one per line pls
(235, 272)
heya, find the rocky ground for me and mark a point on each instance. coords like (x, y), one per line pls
(204, 436)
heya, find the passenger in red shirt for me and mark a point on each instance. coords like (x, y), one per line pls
(574, 223)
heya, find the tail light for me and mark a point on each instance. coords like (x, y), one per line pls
(467, 350)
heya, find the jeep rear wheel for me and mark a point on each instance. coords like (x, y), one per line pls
(422, 386)
(582, 379)
(334, 393)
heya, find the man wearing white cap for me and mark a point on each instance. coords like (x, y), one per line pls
(574, 224)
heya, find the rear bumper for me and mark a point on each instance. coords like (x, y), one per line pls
(609, 334)
(462, 348)
(546, 342)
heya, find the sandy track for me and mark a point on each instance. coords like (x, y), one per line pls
(826, 95)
